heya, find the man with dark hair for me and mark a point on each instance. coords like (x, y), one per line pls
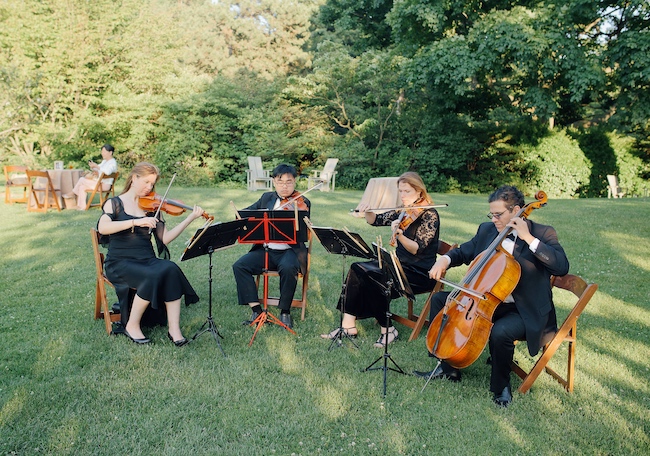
(528, 313)
(287, 259)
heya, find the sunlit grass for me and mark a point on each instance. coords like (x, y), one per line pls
(68, 388)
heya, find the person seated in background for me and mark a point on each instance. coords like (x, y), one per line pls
(107, 166)
(287, 259)
(528, 313)
(415, 235)
(131, 262)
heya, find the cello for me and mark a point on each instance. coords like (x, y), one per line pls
(459, 333)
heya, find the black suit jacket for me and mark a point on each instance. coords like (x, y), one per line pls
(267, 201)
(533, 296)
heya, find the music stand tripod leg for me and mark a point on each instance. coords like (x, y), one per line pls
(385, 356)
(209, 325)
(341, 333)
(266, 316)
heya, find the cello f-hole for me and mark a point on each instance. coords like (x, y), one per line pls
(468, 312)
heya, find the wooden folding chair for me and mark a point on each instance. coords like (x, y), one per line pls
(302, 302)
(101, 301)
(16, 177)
(50, 197)
(414, 321)
(566, 333)
(103, 194)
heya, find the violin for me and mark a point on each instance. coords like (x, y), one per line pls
(154, 202)
(301, 204)
(295, 201)
(459, 333)
(408, 215)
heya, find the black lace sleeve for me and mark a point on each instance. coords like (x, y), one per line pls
(386, 218)
(425, 232)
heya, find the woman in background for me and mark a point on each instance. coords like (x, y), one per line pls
(107, 166)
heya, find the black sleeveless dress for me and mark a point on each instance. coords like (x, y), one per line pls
(132, 264)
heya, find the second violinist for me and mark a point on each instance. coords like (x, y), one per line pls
(415, 233)
(287, 259)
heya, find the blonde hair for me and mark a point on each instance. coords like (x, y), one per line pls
(415, 181)
(141, 169)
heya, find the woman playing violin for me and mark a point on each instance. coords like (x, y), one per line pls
(287, 259)
(131, 262)
(415, 234)
(528, 313)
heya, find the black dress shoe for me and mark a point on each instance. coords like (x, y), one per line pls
(446, 372)
(178, 343)
(137, 341)
(254, 316)
(504, 398)
(286, 320)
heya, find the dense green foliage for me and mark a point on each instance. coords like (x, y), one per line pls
(462, 92)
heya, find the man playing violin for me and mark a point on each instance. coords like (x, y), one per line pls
(415, 235)
(528, 313)
(287, 259)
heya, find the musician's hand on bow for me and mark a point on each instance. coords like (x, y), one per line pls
(370, 216)
(439, 268)
(146, 222)
(362, 207)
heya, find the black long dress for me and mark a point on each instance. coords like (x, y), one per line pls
(365, 293)
(132, 264)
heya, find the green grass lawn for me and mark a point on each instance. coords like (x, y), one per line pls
(68, 388)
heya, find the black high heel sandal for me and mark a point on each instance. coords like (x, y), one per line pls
(386, 337)
(137, 341)
(178, 343)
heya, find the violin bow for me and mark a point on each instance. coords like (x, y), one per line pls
(163, 199)
(237, 216)
(299, 195)
(399, 208)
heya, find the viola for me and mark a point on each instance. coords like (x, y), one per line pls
(459, 333)
(154, 202)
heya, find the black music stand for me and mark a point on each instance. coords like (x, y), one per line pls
(342, 242)
(206, 241)
(395, 278)
(263, 227)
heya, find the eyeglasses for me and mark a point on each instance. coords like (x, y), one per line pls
(288, 183)
(496, 216)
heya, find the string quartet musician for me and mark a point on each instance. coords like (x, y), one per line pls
(364, 294)
(287, 259)
(131, 262)
(528, 313)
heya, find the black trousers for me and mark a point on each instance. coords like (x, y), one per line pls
(366, 293)
(284, 261)
(508, 327)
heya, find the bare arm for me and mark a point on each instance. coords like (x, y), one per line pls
(170, 235)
